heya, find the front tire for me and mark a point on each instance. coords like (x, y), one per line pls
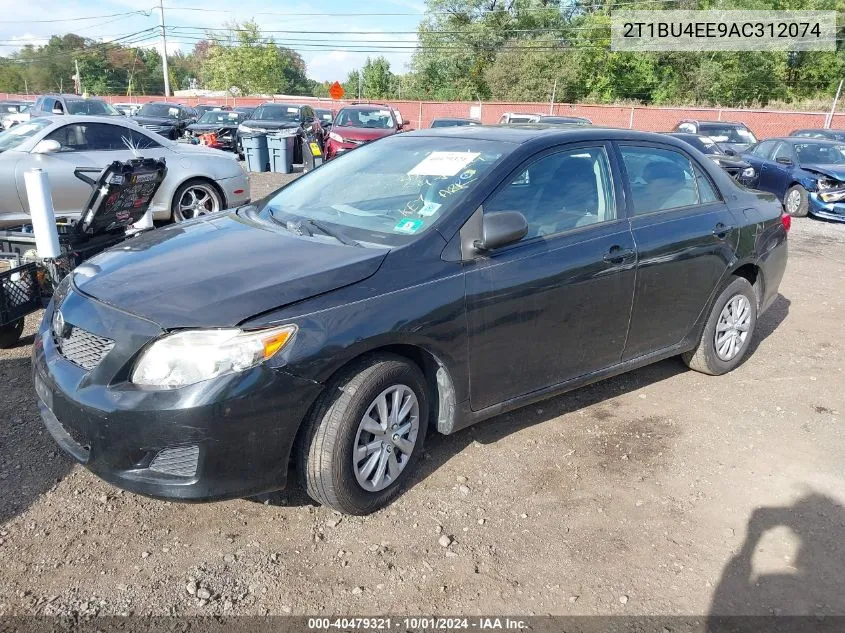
(365, 435)
(796, 202)
(195, 198)
(728, 332)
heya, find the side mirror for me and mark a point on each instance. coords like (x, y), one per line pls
(500, 229)
(47, 146)
(730, 152)
(58, 111)
(783, 160)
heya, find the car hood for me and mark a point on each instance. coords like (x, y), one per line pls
(833, 170)
(154, 120)
(269, 125)
(219, 271)
(206, 127)
(361, 133)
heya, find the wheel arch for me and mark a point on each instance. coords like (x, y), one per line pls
(754, 275)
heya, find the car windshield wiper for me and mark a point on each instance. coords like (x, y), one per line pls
(340, 237)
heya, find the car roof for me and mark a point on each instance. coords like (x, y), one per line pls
(539, 132)
(709, 122)
(367, 106)
(453, 118)
(280, 104)
(804, 140)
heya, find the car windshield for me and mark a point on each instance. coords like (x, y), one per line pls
(451, 122)
(221, 116)
(11, 108)
(276, 112)
(325, 115)
(21, 133)
(823, 153)
(159, 110)
(388, 192)
(728, 134)
(90, 106)
(373, 118)
(520, 118)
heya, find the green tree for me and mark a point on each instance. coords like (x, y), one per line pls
(377, 78)
(244, 61)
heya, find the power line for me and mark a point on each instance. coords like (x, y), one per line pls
(131, 38)
(88, 17)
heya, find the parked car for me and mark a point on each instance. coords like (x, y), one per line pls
(516, 117)
(61, 104)
(207, 107)
(739, 169)
(170, 120)
(561, 120)
(831, 135)
(453, 122)
(127, 109)
(23, 113)
(272, 117)
(223, 124)
(420, 284)
(13, 107)
(732, 136)
(199, 180)
(359, 124)
(808, 175)
(245, 110)
(325, 115)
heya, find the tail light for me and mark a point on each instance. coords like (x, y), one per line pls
(786, 220)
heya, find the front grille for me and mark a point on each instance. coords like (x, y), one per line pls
(180, 461)
(82, 347)
(155, 128)
(356, 142)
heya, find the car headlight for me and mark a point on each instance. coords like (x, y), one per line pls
(826, 183)
(336, 137)
(191, 356)
(748, 172)
(832, 196)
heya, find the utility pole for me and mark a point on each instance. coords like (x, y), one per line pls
(554, 92)
(77, 79)
(359, 84)
(164, 52)
(829, 121)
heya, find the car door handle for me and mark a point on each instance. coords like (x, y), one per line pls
(617, 254)
(721, 230)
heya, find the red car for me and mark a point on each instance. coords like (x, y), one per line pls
(358, 124)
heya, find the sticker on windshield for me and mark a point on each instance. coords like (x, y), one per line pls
(408, 226)
(429, 208)
(293, 110)
(443, 163)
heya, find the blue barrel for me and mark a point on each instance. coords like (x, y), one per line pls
(255, 151)
(280, 149)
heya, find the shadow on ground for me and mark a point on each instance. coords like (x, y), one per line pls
(30, 462)
(810, 584)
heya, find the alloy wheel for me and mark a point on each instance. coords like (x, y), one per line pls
(793, 201)
(732, 328)
(386, 438)
(198, 200)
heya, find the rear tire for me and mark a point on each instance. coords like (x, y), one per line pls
(10, 334)
(201, 191)
(796, 202)
(728, 332)
(335, 474)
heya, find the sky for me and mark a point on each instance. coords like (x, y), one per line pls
(391, 23)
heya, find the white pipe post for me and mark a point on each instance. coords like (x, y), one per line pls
(552, 102)
(145, 223)
(829, 120)
(41, 211)
(631, 119)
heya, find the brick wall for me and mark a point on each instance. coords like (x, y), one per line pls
(764, 123)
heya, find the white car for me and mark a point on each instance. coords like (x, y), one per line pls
(200, 180)
(11, 119)
(127, 109)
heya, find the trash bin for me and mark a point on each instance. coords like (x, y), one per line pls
(255, 150)
(280, 149)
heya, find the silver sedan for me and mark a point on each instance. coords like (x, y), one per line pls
(199, 180)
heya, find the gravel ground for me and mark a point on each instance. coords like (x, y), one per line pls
(662, 491)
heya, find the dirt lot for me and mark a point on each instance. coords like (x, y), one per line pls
(659, 492)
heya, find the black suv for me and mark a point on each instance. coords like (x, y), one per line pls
(57, 104)
(168, 119)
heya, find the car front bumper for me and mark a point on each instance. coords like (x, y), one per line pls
(220, 439)
(335, 148)
(826, 210)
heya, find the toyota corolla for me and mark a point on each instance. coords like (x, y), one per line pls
(419, 284)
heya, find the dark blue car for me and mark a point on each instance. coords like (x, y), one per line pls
(808, 175)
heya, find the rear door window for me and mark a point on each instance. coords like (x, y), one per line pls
(661, 179)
